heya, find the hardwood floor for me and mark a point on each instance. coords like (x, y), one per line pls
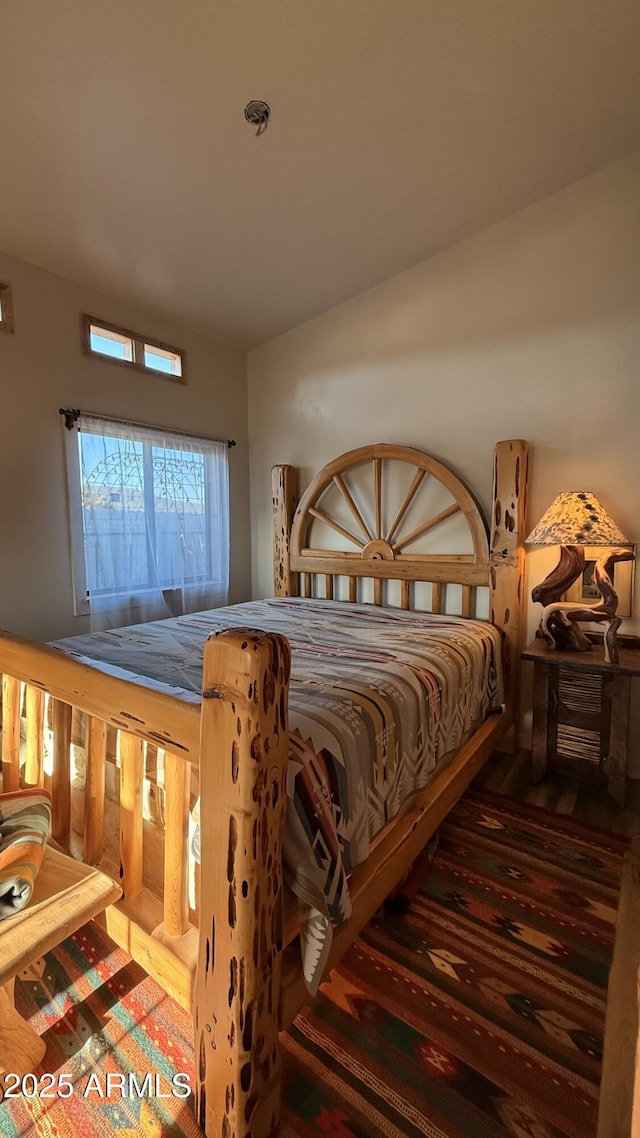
(509, 774)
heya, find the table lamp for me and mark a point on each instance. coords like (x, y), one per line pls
(574, 519)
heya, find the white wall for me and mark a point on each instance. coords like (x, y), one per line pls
(42, 369)
(530, 329)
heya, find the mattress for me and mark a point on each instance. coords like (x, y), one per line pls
(378, 699)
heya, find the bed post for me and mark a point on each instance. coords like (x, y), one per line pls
(284, 484)
(506, 556)
(243, 755)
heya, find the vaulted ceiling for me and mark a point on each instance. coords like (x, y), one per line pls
(398, 127)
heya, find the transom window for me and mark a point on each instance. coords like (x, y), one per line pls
(149, 516)
(132, 349)
(6, 309)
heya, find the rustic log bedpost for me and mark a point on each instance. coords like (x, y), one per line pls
(243, 755)
(284, 483)
(506, 558)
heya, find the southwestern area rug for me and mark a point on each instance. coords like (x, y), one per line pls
(479, 1014)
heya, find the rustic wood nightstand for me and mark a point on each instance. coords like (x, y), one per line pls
(581, 714)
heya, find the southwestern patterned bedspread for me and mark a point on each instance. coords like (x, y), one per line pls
(378, 698)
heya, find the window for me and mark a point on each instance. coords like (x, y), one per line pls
(149, 514)
(131, 349)
(110, 343)
(6, 309)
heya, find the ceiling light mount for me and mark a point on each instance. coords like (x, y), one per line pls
(257, 112)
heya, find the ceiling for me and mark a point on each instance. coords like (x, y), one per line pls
(398, 127)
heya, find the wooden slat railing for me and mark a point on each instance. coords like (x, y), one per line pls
(149, 713)
(20, 697)
(176, 837)
(33, 766)
(94, 790)
(310, 586)
(131, 829)
(10, 733)
(61, 777)
(467, 600)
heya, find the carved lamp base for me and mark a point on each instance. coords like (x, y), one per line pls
(560, 619)
(560, 579)
(557, 631)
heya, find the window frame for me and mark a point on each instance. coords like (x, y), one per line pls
(138, 342)
(80, 590)
(6, 309)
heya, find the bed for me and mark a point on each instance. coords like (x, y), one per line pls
(235, 959)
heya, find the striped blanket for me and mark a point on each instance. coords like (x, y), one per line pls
(25, 824)
(379, 697)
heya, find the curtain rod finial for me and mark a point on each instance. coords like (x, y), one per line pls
(71, 416)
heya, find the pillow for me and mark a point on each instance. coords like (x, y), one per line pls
(25, 824)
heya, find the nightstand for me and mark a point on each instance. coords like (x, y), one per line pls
(581, 714)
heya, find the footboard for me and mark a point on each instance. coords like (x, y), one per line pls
(41, 687)
(239, 738)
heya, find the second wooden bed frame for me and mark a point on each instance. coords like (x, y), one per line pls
(235, 962)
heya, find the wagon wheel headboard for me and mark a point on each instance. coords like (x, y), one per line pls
(346, 526)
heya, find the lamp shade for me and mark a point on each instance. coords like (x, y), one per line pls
(576, 517)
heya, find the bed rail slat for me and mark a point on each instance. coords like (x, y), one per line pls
(176, 853)
(93, 837)
(131, 779)
(33, 768)
(405, 594)
(467, 600)
(10, 733)
(436, 597)
(377, 590)
(61, 779)
(353, 590)
(328, 587)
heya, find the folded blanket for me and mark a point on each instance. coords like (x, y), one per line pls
(25, 824)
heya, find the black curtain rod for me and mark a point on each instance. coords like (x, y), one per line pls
(72, 414)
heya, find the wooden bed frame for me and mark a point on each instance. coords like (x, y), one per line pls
(239, 947)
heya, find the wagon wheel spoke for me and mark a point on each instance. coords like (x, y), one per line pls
(327, 521)
(342, 487)
(408, 499)
(434, 521)
(377, 481)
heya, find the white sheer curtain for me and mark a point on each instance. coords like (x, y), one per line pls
(155, 522)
